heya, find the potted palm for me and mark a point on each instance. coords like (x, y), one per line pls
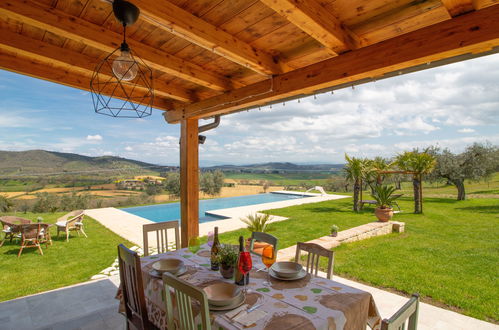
(227, 258)
(257, 222)
(384, 198)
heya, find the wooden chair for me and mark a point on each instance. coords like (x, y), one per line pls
(161, 230)
(73, 221)
(261, 237)
(11, 227)
(184, 293)
(133, 290)
(315, 251)
(32, 235)
(409, 312)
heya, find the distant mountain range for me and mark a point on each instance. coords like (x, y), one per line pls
(39, 162)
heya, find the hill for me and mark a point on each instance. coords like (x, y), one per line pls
(277, 168)
(34, 162)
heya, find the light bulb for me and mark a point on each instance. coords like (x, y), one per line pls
(124, 67)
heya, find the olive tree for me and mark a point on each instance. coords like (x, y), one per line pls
(477, 162)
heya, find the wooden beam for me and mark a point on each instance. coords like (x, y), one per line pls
(312, 18)
(77, 29)
(85, 65)
(15, 62)
(458, 7)
(475, 32)
(192, 28)
(189, 180)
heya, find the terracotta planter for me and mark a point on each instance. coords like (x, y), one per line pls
(384, 215)
(334, 234)
(227, 271)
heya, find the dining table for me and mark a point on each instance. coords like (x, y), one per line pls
(309, 303)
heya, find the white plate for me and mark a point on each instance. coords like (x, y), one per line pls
(157, 274)
(301, 274)
(235, 304)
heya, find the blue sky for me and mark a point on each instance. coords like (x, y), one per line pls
(452, 106)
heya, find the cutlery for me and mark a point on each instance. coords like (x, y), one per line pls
(249, 310)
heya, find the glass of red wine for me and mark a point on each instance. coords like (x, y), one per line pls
(244, 265)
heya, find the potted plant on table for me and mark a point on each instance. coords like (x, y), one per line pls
(334, 230)
(227, 258)
(258, 222)
(384, 198)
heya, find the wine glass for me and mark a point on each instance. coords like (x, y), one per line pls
(211, 237)
(268, 259)
(244, 265)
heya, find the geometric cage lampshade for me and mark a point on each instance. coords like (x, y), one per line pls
(122, 86)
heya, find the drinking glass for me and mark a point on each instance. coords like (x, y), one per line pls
(244, 265)
(211, 237)
(268, 259)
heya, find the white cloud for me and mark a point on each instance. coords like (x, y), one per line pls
(466, 130)
(128, 148)
(96, 137)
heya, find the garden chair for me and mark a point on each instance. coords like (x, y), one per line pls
(408, 312)
(73, 221)
(161, 230)
(184, 293)
(11, 227)
(132, 289)
(315, 251)
(261, 237)
(32, 235)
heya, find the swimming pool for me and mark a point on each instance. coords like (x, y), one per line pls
(171, 211)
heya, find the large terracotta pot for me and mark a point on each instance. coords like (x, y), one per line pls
(384, 215)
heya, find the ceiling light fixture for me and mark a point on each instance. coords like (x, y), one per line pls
(122, 84)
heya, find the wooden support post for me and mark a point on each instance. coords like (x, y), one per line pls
(189, 180)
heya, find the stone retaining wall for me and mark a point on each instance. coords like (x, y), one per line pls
(358, 233)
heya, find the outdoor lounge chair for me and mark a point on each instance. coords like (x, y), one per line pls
(314, 252)
(264, 238)
(73, 221)
(33, 235)
(161, 231)
(407, 312)
(11, 227)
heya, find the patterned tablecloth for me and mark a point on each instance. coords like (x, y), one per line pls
(309, 303)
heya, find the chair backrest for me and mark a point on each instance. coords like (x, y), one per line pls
(161, 230)
(184, 293)
(409, 312)
(133, 288)
(262, 237)
(72, 216)
(315, 251)
(13, 220)
(32, 230)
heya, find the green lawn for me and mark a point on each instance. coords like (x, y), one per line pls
(450, 254)
(63, 263)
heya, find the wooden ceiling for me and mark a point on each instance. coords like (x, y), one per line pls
(218, 56)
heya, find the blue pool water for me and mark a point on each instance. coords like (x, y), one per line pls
(171, 211)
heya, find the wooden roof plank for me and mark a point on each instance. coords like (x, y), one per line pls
(196, 30)
(458, 7)
(77, 29)
(470, 33)
(32, 48)
(62, 75)
(311, 17)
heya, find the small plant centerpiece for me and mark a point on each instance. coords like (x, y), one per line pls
(334, 230)
(384, 198)
(258, 222)
(227, 258)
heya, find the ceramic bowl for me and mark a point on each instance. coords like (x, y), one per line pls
(170, 265)
(222, 294)
(286, 268)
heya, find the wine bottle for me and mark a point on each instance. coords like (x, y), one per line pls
(239, 278)
(215, 249)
